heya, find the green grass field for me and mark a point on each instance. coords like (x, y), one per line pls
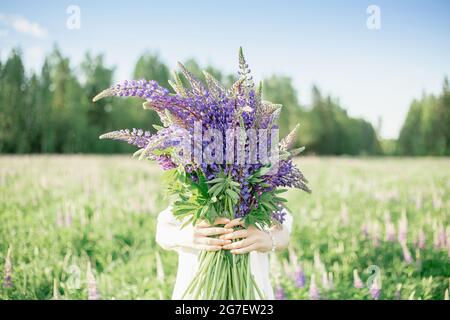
(59, 212)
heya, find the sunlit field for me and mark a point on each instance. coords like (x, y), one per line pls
(83, 226)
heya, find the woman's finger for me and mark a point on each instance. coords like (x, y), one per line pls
(245, 249)
(243, 233)
(211, 241)
(238, 244)
(213, 231)
(203, 224)
(208, 248)
(234, 223)
(221, 220)
(206, 224)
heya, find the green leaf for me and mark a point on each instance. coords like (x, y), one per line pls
(215, 190)
(157, 127)
(234, 184)
(137, 153)
(264, 170)
(233, 195)
(216, 180)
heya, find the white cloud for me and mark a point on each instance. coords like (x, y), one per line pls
(23, 25)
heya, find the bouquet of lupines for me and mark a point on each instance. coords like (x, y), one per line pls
(222, 157)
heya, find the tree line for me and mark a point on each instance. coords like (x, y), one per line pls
(51, 111)
(426, 130)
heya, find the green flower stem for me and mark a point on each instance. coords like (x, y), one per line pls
(218, 274)
(235, 278)
(248, 281)
(222, 275)
(203, 264)
(260, 294)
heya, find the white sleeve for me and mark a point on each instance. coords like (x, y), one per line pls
(287, 224)
(169, 232)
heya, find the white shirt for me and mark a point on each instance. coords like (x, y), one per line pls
(170, 236)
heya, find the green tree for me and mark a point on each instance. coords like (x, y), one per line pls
(280, 90)
(325, 124)
(444, 113)
(51, 111)
(426, 127)
(149, 66)
(46, 118)
(12, 113)
(66, 106)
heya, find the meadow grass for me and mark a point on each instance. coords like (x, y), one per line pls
(387, 218)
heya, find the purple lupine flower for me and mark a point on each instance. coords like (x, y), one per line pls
(279, 215)
(158, 99)
(357, 282)
(390, 231)
(314, 293)
(406, 254)
(375, 235)
(194, 110)
(403, 228)
(300, 279)
(7, 278)
(280, 294)
(91, 284)
(436, 243)
(136, 137)
(375, 289)
(421, 240)
(447, 232)
(442, 236)
(165, 162)
(288, 176)
(448, 248)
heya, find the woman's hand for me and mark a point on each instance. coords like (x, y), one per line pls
(203, 235)
(252, 238)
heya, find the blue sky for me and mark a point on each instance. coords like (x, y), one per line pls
(374, 73)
